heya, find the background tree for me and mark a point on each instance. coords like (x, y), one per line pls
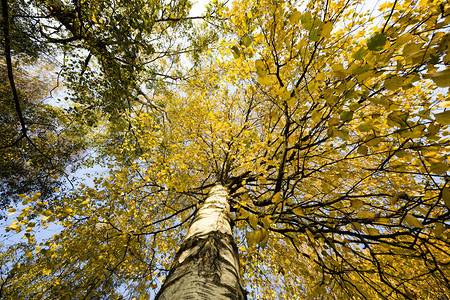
(108, 51)
(36, 162)
(325, 127)
(38, 141)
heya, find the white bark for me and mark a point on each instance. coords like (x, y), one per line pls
(207, 263)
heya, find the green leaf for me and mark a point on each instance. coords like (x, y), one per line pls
(347, 116)
(314, 35)
(376, 42)
(362, 150)
(236, 52)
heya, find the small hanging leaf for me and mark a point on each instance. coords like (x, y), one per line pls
(46, 272)
(260, 68)
(236, 52)
(306, 19)
(314, 35)
(366, 215)
(266, 222)
(347, 116)
(250, 239)
(243, 214)
(253, 220)
(246, 41)
(295, 17)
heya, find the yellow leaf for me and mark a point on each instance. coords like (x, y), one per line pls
(243, 214)
(411, 220)
(46, 272)
(277, 198)
(257, 235)
(236, 52)
(266, 221)
(264, 80)
(366, 215)
(253, 220)
(291, 102)
(15, 227)
(260, 68)
(246, 41)
(326, 29)
(356, 204)
(357, 226)
(298, 211)
(373, 231)
(439, 230)
(295, 17)
(261, 236)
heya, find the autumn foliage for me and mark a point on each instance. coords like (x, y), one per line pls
(326, 120)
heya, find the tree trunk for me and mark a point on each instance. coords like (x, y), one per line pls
(207, 264)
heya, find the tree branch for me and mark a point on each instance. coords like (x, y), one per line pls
(9, 66)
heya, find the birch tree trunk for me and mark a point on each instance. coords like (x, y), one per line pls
(207, 264)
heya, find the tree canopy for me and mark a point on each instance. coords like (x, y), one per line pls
(326, 120)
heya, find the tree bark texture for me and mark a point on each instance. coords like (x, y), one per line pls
(207, 264)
